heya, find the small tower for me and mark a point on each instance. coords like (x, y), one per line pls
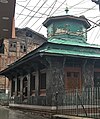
(67, 27)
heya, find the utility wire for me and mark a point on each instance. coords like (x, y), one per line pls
(70, 7)
(96, 36)
(31, 10)
(94, 17)
(52, 7)
(77, 4)
(58, 7)
(23, 9)
(93, 22)
(94, 26)
(35, 13)
(53, 4)
(53, 12)
(86, 10)
(29, 13)
(93, 30)
(40, 27)
(22, 1)
(29, 16)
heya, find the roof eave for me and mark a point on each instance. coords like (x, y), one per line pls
(50, 19)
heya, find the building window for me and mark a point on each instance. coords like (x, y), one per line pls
(68, 74)
(23, 47)
(12, 46)
(43, 81)
(42, 84)
(29, 34)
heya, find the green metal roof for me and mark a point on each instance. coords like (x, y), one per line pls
(82, 19)
(71, 50)
(73, 42)
(59, 47)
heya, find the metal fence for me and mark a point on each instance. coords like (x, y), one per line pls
(4, 99)
(84, 102)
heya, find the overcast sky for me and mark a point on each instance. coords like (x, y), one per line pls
(32, 13)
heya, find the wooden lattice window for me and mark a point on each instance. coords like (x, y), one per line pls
(42, 84)
(23, 47)
(73, 78)
(12, 46)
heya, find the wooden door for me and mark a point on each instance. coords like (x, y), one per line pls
(73, 78)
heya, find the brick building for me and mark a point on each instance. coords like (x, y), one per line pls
(25, 41)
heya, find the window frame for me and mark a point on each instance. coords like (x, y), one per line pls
(12, 46)
(42, 89)
(23, 46)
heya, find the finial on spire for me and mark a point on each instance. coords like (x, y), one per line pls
(66, 9)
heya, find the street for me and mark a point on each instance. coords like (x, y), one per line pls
(6, 113)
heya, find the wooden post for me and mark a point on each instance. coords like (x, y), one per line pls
(28, 86)
(37, 83)
(21, 89)
(15, 86)
(10, 90)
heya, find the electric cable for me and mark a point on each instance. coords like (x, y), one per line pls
(86, 10)
(29, 13)
(70, 7)
(77, 3)
(58, 7)
(93, 30)
(53, 4)
(35, 12)
(22, 1)
(23, 9)
(31, 10)
(54, 12)
(52, 7)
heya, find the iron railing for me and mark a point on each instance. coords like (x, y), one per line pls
(84, 102)
(4, 99)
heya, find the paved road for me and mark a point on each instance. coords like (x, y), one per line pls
(6, 113)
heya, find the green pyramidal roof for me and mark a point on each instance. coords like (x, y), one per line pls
(73, 42)
(71, 49)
